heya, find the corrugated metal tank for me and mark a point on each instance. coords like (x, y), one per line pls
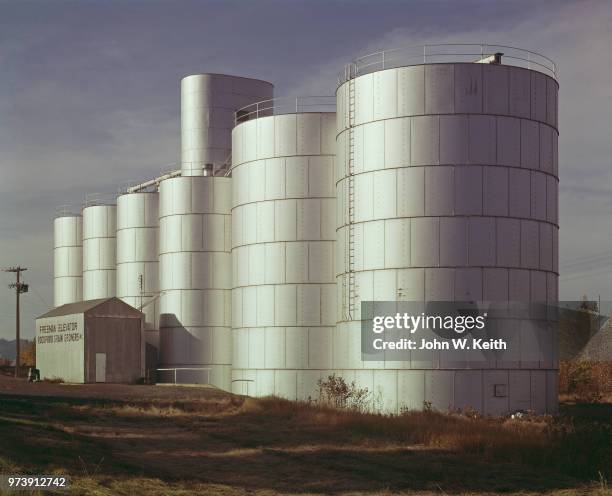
(99, 251)
(195, 279)
(208, 104)
(137, 257)
(283, 236)
(456, 193)
(67, 259)
(195, 229)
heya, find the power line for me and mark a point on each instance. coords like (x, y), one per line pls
(41, 298)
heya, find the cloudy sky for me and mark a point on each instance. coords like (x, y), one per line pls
(89, 98)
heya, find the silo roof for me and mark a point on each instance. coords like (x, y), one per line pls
(85, 306)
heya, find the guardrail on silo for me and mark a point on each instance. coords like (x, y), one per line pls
(93, 199)
(285, 105)
(441, 53)
(67, 210)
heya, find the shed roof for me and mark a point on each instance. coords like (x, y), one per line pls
(87, 305)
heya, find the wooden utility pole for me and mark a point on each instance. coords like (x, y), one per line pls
(20, 287)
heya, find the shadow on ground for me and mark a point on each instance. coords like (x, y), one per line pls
(242, 449)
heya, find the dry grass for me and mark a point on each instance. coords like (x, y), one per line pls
(222, 445)
(585, 381)
(583, 450)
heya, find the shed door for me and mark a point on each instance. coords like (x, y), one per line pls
(100, 367)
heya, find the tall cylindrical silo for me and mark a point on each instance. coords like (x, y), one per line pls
(208, 104)
(283, 237)
(448, 191)
(67, 259)
(137, 257)
(195, 280)
(99, 251)
(195, 228)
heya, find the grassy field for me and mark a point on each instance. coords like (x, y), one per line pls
(182, 441)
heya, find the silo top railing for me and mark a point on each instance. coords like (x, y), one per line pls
(96, 199)
(285, 105)
(67, 210)
(446, 53)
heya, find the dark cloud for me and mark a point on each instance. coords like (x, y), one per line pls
(89, 95)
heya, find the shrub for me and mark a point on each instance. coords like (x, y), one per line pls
(335, 392)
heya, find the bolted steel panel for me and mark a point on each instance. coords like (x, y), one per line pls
(530, 244)
(508, 242)
(425, 140)
(468, 390)
(494, 284)
(397, 243)
(439, 190)
(468, 190)
(468, 88)
(385, 95)
(481, 241)
(519, 192)
(424, 241)
(520, 92)
(453, 241)
(397, 142)
(439, 91)
(538, 96)
(530, 144)
(538, 196)
(508, 141)
(411, 90)
(482, 139)
(519, 285)
(439, 284)
(364, 99)
(495, 89)
(453, 139)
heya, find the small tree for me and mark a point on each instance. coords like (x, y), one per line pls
(27, 355)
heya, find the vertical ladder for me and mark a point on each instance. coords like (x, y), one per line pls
(352, 290)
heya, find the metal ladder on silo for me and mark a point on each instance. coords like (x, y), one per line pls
(352, 290)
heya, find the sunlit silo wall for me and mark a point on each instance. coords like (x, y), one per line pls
(195, 279)
(99, 251)
(283, 236)
(455, 180)
(67, 259)
(208, 104)
(137, 257)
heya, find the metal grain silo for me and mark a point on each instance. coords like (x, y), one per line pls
(195, 259)
(67, 259)
(283, 236)
(195, 280)
(137, 257)
(99, 251)
(208, 104)
(448, 190)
